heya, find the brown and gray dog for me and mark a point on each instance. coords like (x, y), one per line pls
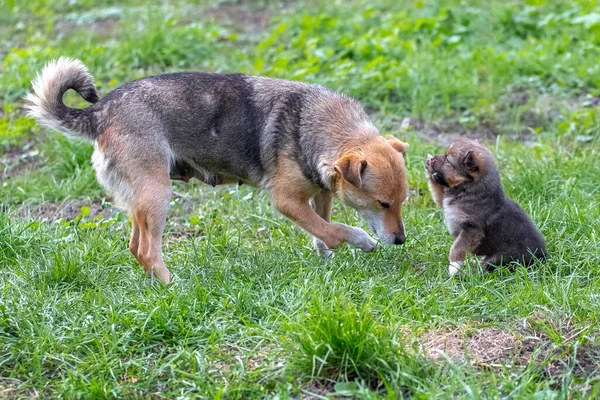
(305, 143)
(465, 183)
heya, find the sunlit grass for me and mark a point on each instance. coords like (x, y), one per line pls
(253, 312)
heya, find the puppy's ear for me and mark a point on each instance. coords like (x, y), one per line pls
(398, 145)
(471, 162)
(351, 167)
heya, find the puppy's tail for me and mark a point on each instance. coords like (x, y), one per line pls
(46, 102)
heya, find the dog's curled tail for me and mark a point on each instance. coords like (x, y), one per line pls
(46, 102)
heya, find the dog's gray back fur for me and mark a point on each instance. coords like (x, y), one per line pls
(228, 126)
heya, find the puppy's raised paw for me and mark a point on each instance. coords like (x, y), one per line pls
(454, 267)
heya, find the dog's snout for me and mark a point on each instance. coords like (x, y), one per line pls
(399, 239)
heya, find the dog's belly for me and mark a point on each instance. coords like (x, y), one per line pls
(184, 171)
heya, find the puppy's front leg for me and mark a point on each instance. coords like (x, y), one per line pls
(296, 207)
(464, 242)
(437, 190)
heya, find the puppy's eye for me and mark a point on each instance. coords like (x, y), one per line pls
(384, 205)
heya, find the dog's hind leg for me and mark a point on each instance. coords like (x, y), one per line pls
(321, 203)
(149, 212)
(134, 240)
(138, 178)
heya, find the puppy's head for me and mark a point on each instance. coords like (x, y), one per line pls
(372, 180)
(465, 161)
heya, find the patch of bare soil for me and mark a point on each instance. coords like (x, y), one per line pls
(9, 390)
(104, 27)
(553, 344)
(487, 346)
(317, 390)
(241, 15)
(102, 22)
(444, 132)
(555, 353)
(17, 160)
(518, 114)
(68, 210)
(437, 345)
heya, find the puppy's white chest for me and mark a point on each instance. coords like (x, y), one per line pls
(453, 217)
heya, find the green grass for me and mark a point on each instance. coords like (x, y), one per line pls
(253, 312)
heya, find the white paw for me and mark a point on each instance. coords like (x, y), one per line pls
(321, 248)
(454, 267)
(361, 240)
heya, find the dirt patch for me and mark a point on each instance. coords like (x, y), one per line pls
(445, 131)
(490, 345)
(18, 160)
(101, 22)
(241, 15)
(552, 345)
(317, 390)
(9, 389)
(103, 27)
(517, 97)
(68, 210)
(439, 345)
(519, 114)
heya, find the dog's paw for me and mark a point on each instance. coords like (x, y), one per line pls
(361, 240)
(454, 267)
(321, 248)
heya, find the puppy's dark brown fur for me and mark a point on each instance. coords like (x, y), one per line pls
(465, 184)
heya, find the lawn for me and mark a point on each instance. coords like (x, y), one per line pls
(253, 312)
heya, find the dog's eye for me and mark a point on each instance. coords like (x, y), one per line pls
(384, 205)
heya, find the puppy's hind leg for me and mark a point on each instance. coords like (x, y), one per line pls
(321, 203)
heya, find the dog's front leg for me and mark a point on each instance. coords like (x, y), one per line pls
(296, 207)
(465, 241)
(321, 203)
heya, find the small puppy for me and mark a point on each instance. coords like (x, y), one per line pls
(465, 183)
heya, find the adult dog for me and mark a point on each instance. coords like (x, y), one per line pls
(305, 143)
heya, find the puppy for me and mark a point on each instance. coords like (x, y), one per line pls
(465, 183)
(304, 143)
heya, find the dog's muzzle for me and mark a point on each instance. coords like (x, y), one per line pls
(400, 239)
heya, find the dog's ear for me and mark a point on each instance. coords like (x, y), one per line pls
(471, 162)
(351, 167)
(398, 145)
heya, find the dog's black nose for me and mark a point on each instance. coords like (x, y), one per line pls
(399, 239)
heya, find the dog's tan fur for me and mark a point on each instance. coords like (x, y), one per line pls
(310, 207)
(305, 143)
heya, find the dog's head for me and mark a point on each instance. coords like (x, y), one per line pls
(372, 180)
(465, 161)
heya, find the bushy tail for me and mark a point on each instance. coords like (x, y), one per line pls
(46, 102)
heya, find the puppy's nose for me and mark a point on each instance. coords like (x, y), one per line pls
(400, 239)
